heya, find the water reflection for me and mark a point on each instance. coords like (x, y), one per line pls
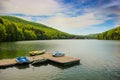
(22, 66)
(61, 66)
(22, 48)
(40, 64)
(100, 60)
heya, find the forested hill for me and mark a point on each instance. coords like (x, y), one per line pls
(113, 34)
(16, 29)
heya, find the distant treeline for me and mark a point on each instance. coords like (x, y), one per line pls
(113, 34)
(16, 29)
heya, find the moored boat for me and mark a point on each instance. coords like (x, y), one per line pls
(33, 53)
(58, 54)
(21, 60)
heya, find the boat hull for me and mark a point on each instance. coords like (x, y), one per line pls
(33, 53)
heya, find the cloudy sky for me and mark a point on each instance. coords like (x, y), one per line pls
(72, 16)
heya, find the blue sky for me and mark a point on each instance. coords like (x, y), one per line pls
(72, 16)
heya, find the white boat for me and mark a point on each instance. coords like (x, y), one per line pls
(58, 54)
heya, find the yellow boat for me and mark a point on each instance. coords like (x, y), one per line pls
(33, 53)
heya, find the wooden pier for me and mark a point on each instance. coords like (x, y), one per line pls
(59, 60)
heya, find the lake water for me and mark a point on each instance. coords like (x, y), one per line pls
(100, 60)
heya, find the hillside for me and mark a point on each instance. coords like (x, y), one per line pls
(113, 34)
(15, 29)
(91, 36)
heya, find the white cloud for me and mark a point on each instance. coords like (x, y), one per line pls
(63, 22)
(59, 15)
(31, 7)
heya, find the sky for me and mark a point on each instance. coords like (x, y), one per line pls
(72, 16)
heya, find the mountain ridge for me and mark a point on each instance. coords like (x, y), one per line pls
(15, 29)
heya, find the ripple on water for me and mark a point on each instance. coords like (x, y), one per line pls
(100, 60)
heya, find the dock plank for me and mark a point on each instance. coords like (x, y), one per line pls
(7, 62)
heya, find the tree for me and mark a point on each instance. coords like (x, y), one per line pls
(1, 20)
(2, 32)
(29, 35)
(113, 34)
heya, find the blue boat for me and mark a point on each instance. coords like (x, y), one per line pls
(22, 60)
(58, 54)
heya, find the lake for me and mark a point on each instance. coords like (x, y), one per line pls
(100, 60)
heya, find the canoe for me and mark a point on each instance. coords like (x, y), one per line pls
(21, 60)
(39, 61)
(33, 53)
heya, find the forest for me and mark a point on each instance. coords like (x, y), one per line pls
(16, 29)
(113, 34)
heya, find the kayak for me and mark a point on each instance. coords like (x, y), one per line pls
(33, 53)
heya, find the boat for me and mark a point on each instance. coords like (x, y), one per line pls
(39, 61)
(21, 60)
(58, 54)
(33, 53)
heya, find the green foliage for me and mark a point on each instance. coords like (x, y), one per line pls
(29, 35)
(15, 29)
(2, 32)
(113, 34)
(91, 36)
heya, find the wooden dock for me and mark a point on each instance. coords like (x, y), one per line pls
(59, 60)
